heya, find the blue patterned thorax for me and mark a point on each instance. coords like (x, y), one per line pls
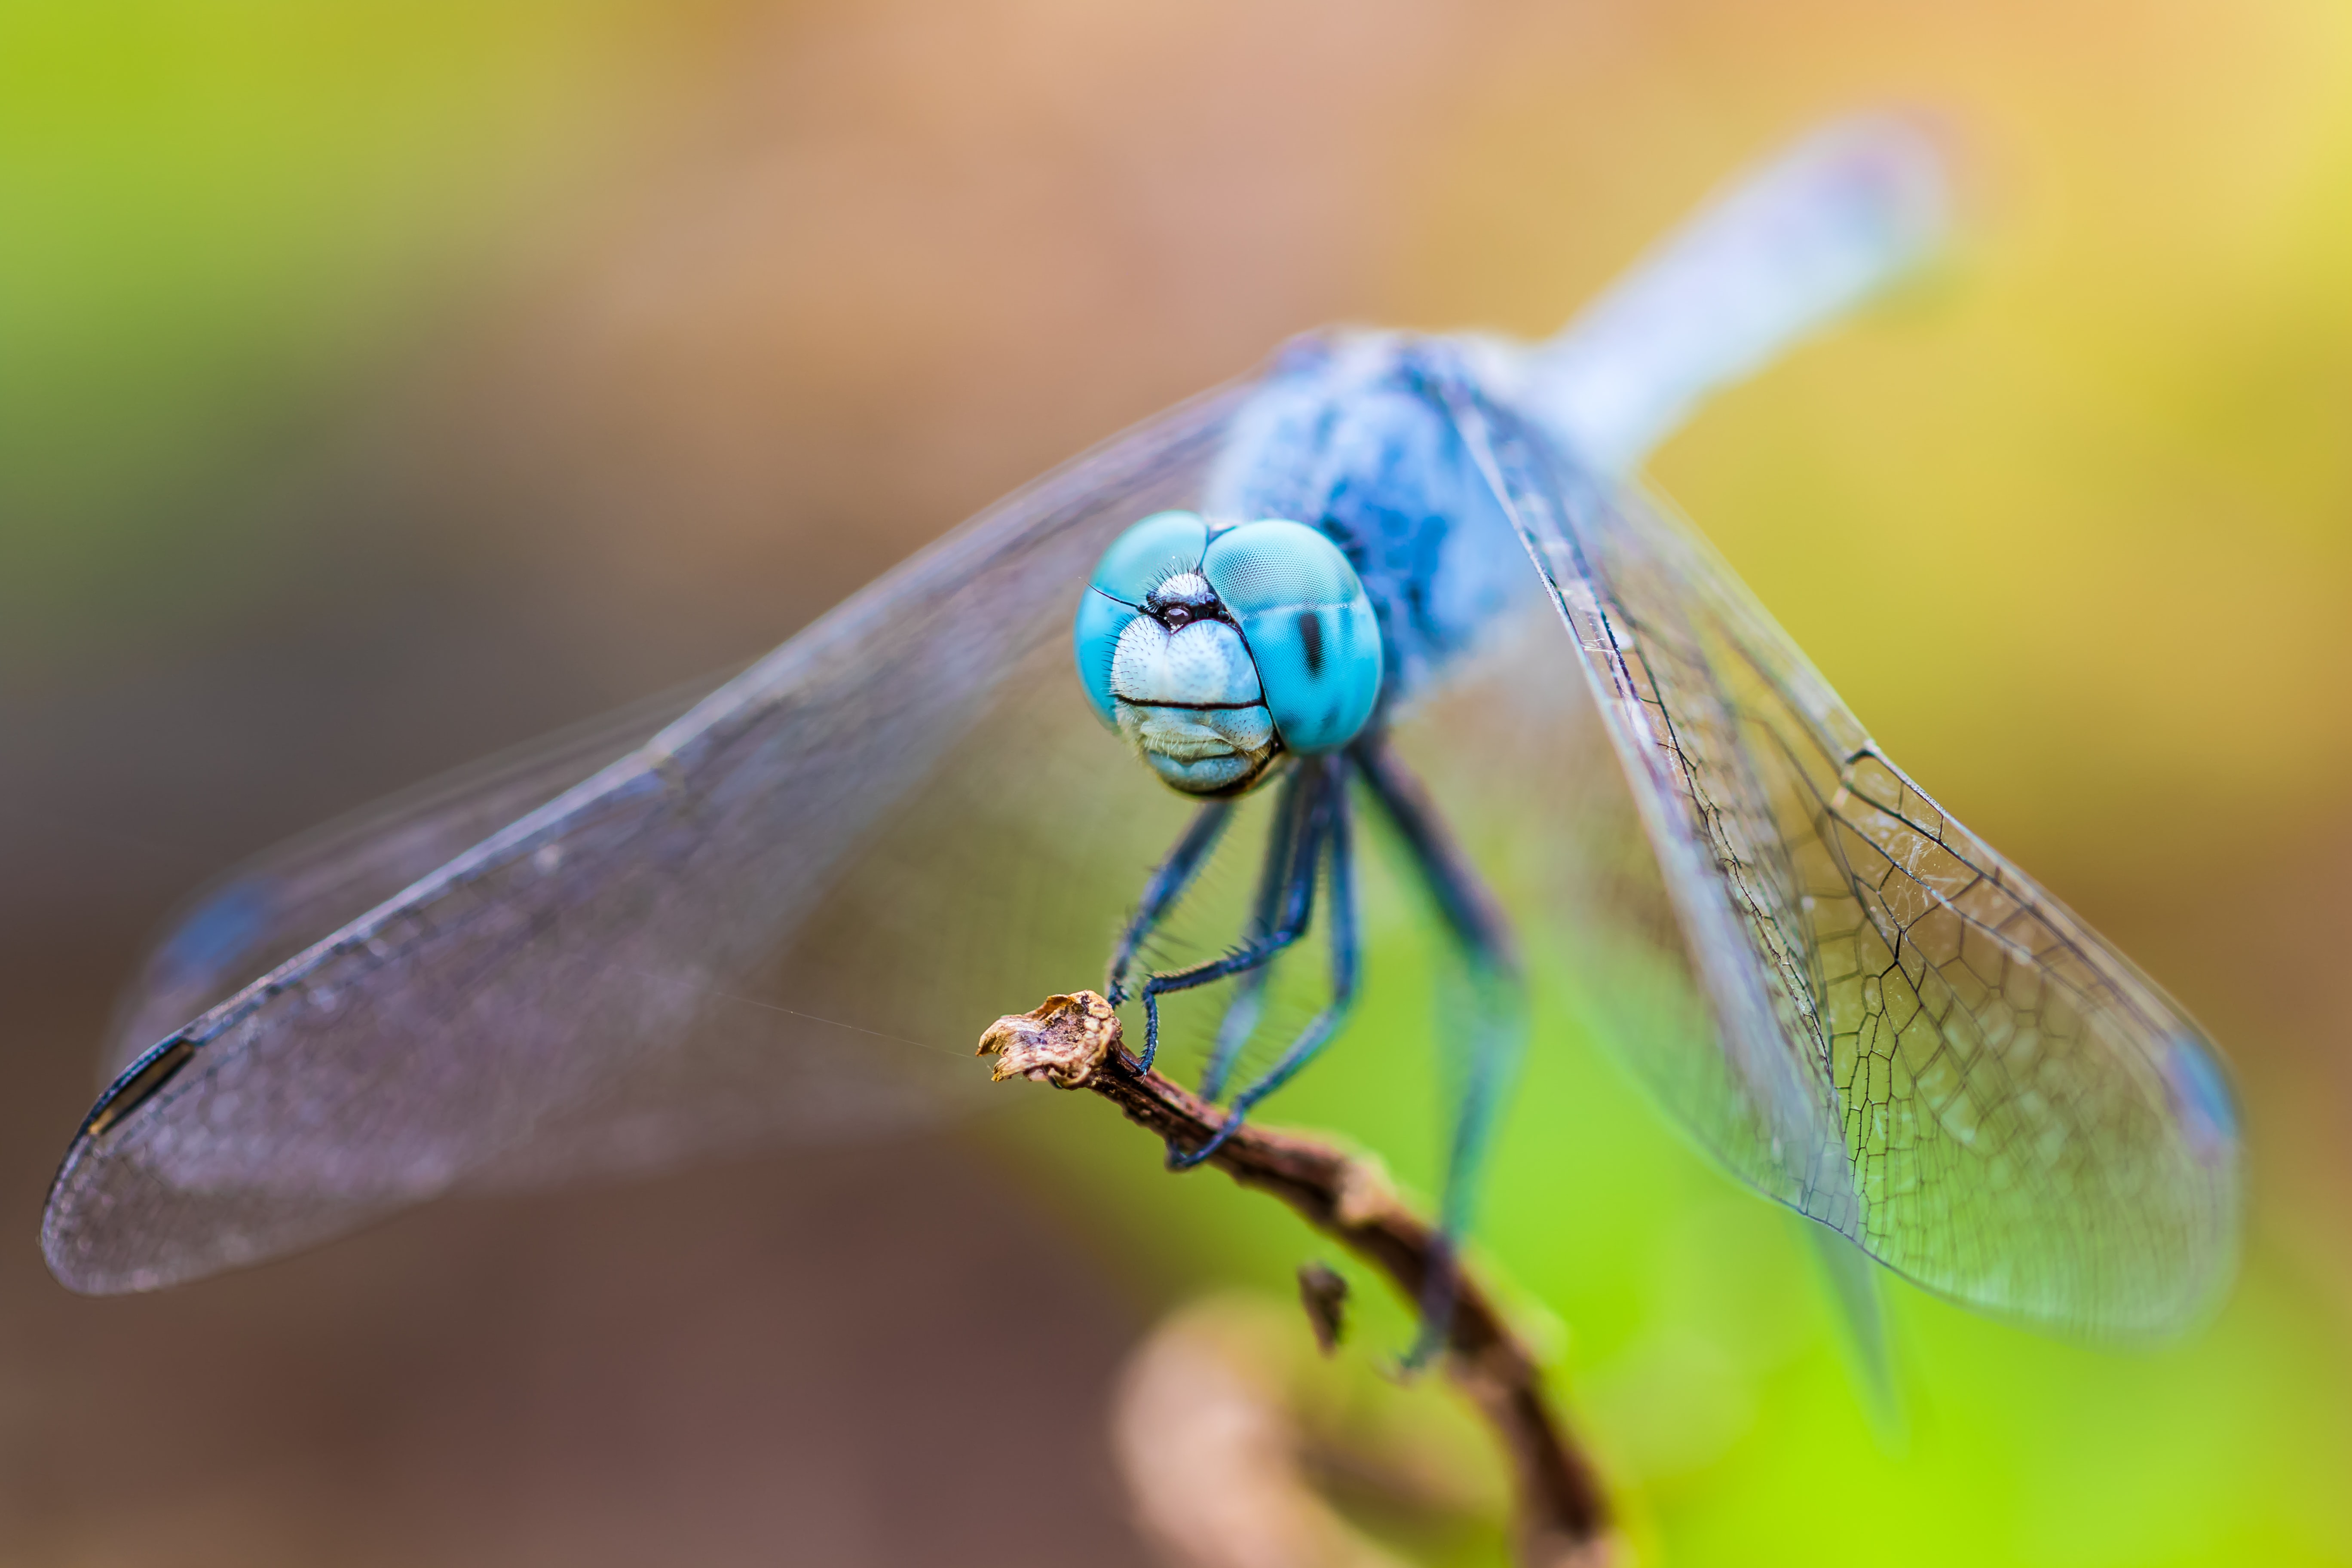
(1350, 434)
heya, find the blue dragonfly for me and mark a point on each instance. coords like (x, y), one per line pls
(1412, 578)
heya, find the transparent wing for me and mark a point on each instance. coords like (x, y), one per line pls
(279, 902)
(788, 912)
(1903, 1035)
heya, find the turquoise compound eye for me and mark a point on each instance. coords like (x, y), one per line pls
(1139, 561)
(1309, 626)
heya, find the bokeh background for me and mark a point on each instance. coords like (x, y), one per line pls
(383, 384)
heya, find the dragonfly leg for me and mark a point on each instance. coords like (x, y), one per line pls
(1235, 1029)
(1487, 1034)
(1346, 965)
(1249, 989)
(1306, 798)
(1168, 883)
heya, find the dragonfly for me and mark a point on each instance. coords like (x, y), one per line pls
(1410, 585)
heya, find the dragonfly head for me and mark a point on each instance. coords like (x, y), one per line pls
(1213, 651)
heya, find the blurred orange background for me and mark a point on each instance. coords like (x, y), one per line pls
(383, 385)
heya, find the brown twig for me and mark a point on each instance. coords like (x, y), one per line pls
(1074, 1042)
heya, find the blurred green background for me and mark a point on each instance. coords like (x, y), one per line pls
(383, 384)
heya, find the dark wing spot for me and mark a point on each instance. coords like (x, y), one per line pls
(154, 1070)
(1310, 634)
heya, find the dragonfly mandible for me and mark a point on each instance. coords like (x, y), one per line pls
(1411, 574)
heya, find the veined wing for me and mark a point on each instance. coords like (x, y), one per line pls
(1911, 1041)
(701, 944)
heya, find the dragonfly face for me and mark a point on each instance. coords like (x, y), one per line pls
(1215, 651)
(1185, 694)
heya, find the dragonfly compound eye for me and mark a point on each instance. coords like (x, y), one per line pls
(1213, 653)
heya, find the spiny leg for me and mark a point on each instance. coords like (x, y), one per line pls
(1235, 1029)
(1249, 989)
(1168, 884)
(1346, 959)
(1347, 966)
(1494, 1027)
(1304, 797)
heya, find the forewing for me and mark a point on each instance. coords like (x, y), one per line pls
(787, 913)
(1910, 1041)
